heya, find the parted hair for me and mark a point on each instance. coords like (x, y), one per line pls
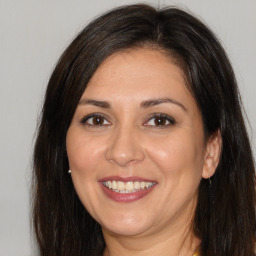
(225, 214)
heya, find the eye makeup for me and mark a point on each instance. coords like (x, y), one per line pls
(154, 120)
(159, 120)
(95, 119)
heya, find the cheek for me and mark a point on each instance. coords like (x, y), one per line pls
(84, 157)
(177, 154)
(83, 153)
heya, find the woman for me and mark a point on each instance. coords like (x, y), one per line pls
(142, 147)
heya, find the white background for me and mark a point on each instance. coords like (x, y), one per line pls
(33, 34)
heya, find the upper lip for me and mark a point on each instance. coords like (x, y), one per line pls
(125, 179)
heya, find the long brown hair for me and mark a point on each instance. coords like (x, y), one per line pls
(225, 215)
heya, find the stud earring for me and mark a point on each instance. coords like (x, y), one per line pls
(69, 171)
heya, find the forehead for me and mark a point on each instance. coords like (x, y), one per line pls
(137, 71)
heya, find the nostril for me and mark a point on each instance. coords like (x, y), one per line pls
(124, 152)
(124, 159)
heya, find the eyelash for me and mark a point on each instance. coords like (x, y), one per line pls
(85, 119)
(160, 116)
(153, 116)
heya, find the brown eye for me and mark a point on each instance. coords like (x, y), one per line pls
(160, 120)
(95, 120)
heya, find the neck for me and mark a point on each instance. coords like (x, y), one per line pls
(164, 243)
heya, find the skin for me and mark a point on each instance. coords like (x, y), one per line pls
(129, 142)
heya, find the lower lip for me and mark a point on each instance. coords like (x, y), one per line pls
(126, 197)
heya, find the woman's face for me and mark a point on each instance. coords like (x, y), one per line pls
(136, 145)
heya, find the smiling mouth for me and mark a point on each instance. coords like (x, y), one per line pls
(127, 187)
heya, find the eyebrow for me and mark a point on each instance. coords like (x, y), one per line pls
(97, 103)
(154, 102)
(144, 104)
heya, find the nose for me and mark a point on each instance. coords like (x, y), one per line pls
(125, 147)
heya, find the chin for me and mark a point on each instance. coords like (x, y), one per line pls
(125, 226)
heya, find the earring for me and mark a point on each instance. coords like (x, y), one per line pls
(210, 182)
(211, 192)
(69, 171)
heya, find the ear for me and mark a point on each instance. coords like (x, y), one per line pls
(212, 155)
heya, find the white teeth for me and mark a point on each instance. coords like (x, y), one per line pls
(120, 185)
(109, 184)
(127, 187)
(148, 184)
(114, 184)
(137, 185)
